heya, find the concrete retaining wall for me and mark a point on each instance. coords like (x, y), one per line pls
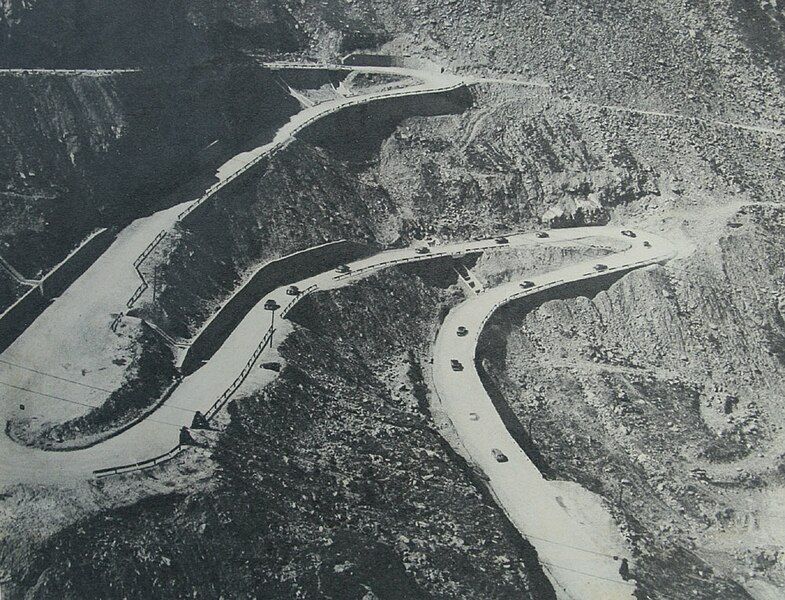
(24, 311)
(274, 274)
(68, 271)
(376, 117)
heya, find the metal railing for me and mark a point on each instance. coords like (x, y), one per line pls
(141, 465)
(238, 381)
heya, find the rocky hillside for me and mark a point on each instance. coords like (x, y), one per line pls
(86, 151)
(331, 482)
(670, 384)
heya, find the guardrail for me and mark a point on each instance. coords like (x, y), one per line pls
(139, 466)
(116, 321)
(285, 310)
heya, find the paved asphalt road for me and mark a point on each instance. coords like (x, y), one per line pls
(71, 339)
(569, 527)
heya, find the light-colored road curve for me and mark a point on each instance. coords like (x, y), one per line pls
(158, 433)
(72, 338)
(574, 535)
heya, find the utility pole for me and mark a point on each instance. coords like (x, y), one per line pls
(155, 282)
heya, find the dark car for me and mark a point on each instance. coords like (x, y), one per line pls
(647, 244)
(292, 290)
(502, 240)
(542, 234)
(342, 268)
(423, 250)
(462, 331)
(600, 267)
(499, 455)
(526, 284)
(456, 365)
(628, 233)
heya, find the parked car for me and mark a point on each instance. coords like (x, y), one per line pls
(599, 267)
(526, 284)
(542, 234)
(474, 416)
(423, 250)
(456, 365)
(647, 244)
(628, 233)
(499, 455)
(342, 268)
(462, 331)
(502, 240)
(292, 290)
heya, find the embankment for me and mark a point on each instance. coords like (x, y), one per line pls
(272, 275)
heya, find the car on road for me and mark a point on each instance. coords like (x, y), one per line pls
(456, 365)
(474, 416)
(628, 233)
(499, 455)
(647, 244)
(423, 250)
(526, 284)
(542, 234)
(599, 267)
(502, 240)
(342, 269)
(292, 290)
(462, 331)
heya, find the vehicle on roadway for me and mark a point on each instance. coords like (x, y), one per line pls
(462, 331)
(499, 455)
(292, 290)
(628, 233)
(456, 365)
(423, 250)
(542, 234)
(526, 284)
(474, 416)
(502, 240)
(599, 267)
(342, 268)
(647, 244)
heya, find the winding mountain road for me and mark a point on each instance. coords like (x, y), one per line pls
(573, 533)
(72, 338)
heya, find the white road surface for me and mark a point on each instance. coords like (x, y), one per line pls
(72, 340)
(574, 535)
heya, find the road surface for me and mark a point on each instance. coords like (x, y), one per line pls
(572, 532)
(72, 338)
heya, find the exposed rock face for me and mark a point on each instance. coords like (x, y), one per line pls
(86, 151)
(331, 481)
(666, 391)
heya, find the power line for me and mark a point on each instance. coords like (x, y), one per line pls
(92, 387)
(24, 389)
(592, 575)
(87, 385)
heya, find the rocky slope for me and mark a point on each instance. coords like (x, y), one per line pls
(664, 395)
(330, 482)
(86, 151)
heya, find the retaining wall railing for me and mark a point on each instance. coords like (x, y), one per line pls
(219, 403)
(139, 466)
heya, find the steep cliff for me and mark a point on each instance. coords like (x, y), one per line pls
(83, 151)
(664, 394)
